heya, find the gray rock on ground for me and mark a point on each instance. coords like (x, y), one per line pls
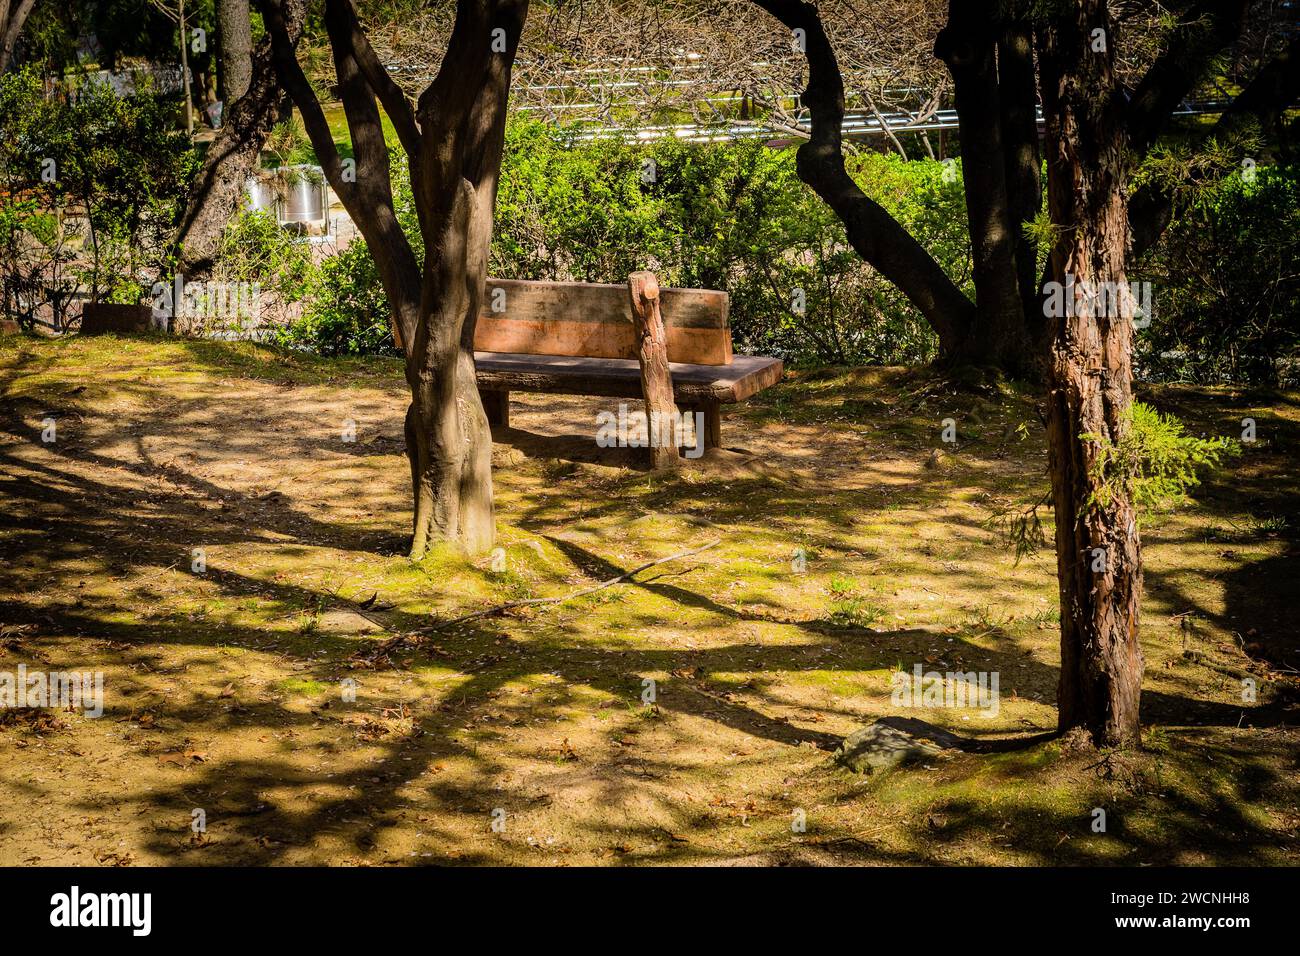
(879, 746)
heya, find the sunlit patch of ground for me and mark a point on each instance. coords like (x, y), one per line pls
(225, 688)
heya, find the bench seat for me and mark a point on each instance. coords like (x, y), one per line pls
(621, 378)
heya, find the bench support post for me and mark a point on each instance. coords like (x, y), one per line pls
(712, 431)
(656, 380)
(497, 406)
(712, 423)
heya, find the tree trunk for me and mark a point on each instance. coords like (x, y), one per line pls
(874, 234)
(996, 335)
(217, 193)
(1098, 552)
(235, 34)
(461, 119)
(449, 446)
(449, 440)
(454, 136)
(1018, 100)
(11, 25)
(185, 70)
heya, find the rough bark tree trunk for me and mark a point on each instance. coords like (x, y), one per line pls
(218, 191)
(1098, 551)
(235, 35)
(454, 136)
(449, 438)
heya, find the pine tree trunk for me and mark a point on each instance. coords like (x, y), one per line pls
(1098, 551)
(235, 34)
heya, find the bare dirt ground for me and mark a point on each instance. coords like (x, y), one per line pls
(226, 689)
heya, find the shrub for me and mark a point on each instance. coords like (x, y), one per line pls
(346, 311)
(1227, 281)
(733, 216)
(119, 160)
(1155, 460)
(255, 248)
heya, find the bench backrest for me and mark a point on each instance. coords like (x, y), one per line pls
(595, 320)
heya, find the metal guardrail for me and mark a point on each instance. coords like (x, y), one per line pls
(856, 124)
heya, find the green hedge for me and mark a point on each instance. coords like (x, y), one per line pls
(1226, 277)
(731, 216)
(728, 216)
(735, 216)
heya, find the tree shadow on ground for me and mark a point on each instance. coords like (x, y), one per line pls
(55, 515)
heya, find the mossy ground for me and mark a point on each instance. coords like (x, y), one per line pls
(224, 689)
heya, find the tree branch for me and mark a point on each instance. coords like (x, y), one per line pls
(968, 45)
(1264, 100)
(872, 231)
(216, 194)
(1206, 28)
(304, 97)
(461, 112)
(399, 109)
(368, 195)
(12, 24)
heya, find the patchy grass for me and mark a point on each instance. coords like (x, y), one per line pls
(854, 544)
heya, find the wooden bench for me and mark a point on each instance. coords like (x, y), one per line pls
(580, 338)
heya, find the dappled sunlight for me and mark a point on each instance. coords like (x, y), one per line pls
(846, 553)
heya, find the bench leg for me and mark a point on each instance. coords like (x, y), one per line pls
(712, 424)
(497, 406)
(712, 421)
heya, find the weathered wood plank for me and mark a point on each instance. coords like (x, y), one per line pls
(595, 320)
(652, 356)
(621, 378)
(595, 339)
(603, 302)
